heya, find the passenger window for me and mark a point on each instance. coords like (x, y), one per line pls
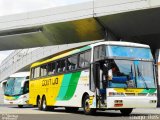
(81, 60)
(26, 87)
(87, 58)
(32, 73)
(37, 72)
(72, 63)
(51, 68)
(61, 66)
(99, 52)
(43, 70)
(84, 59)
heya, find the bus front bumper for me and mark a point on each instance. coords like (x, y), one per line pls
(132, 102)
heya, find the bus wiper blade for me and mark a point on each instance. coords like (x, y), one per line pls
(140, 74)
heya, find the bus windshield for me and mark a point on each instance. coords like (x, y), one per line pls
(14, 86)
(129, 52)
(132, 74)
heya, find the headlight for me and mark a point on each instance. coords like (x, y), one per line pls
(115, 94)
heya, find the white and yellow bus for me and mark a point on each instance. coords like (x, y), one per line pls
(100, 76)
(16, 91)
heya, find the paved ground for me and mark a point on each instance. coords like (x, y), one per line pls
(29, 113)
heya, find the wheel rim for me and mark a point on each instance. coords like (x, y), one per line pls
(39, 103)
(44, 104)
(87, 105)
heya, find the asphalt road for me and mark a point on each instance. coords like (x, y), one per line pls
(29, 113)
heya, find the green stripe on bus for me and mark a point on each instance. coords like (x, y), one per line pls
(149, 90)
(64, 86)
(85, 48)
(72, 85)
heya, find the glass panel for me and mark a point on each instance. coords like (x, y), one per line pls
(61, 66)
(9, 86)
(37, 72)
(51, 68)
(87, 58)
(122, 74)
(14, 86)
(26, 87)
(32, 73)
(44, 70)
(145, 77)
(18, 89)
(130, 52)
(84, 59)
(72, 63)
(81, 61)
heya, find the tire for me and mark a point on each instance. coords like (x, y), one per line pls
(71, 109)
(86, 106)
(126, 111)
(20, 106)
(44, 105)
(39, 104)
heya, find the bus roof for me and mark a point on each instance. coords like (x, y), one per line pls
(20, 74)
(120, 43)
(87, 47)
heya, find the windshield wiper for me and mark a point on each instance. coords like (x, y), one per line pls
(144, 81)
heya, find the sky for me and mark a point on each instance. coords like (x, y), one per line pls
(18, 6)
(8, 7)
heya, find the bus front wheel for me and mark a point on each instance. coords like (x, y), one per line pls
(126, 111)
(86, 106)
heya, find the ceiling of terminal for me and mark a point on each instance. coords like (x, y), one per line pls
(136, 26)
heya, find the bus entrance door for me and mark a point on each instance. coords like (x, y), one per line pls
(100, 80)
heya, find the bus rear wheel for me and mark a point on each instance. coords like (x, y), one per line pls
(71, 109)
(39, 104)
(44, 105)
(126, 111)
(20, 106)
(86, 106)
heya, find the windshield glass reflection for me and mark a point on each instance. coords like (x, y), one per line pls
(131, 74)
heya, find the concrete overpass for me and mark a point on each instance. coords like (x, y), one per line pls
(21, 60)
(128, 20)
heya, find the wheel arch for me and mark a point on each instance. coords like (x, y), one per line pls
(38, 97)
(84, 95)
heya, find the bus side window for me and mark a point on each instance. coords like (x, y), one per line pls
(37, 72)
(72, 62)
(81, 60)
(58, 66)
(44, 70)
(87, 58)
(51, 68)
(63, 65)
(84, 59)
(26, 87)
(99, 52)
(32, 73)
